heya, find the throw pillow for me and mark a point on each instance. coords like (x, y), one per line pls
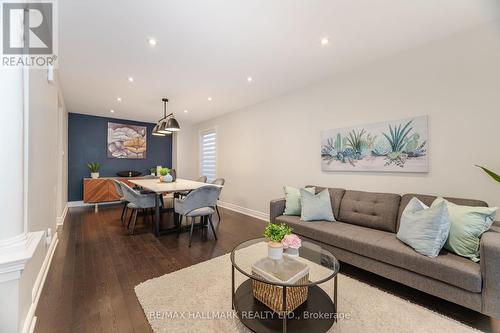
(467, 225)
(424, 229)
(292, 199)
(316, 206)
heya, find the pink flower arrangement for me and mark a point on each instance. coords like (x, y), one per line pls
(291, 241)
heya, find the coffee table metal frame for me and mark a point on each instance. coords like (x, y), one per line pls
(284, 319)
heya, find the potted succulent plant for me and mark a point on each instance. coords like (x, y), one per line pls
(152, 171)
(291, 244)
(275, 234)
(94, 169)
(165, 175)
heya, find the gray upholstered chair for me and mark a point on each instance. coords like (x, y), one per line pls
(137, 201)
(218, 181)
(119, 191)
(198, 203)
(202, 179)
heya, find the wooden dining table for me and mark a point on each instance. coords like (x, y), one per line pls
(161, 188)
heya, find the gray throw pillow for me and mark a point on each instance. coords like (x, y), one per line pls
(424, 229)
(316, 207)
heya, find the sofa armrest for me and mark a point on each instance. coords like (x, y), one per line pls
(276, 208)
(490, 271)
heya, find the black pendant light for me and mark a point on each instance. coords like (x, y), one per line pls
(167, 124)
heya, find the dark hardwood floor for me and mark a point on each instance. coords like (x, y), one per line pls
(90, 285)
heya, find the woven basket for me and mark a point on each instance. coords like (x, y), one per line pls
(272, 295)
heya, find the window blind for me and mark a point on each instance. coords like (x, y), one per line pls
(208, 154)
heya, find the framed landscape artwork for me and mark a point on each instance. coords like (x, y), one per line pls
(394, 146)
(127, 141)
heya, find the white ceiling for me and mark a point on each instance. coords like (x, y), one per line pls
(209, 48)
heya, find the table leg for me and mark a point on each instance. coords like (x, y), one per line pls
(232, 287)
(285, 312)
(157, 215)
(335, 297)
(176, 216)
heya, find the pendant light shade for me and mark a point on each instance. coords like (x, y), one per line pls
(167, 124)
(155, 131)
(172, 125)
(162, 129)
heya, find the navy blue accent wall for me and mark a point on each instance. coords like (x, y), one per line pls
(87, 142)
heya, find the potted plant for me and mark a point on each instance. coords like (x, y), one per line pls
(490, 173)
(152, 171)
(291, 244)
(94, 169)
(275, 234)
(165, 175)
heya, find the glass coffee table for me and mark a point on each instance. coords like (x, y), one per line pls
(283, 295)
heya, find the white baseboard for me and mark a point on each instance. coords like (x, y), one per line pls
(30, 321)
(244, 210)
(60, 219)
(83, 204)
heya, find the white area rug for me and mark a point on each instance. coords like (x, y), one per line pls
(198, 299)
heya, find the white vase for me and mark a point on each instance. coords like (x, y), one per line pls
(291, 252)
(275, 251)
(168, 178)
(94, 175)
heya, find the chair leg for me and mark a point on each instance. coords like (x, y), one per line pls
(179, 227)
(218, 214)
(130, 218)
(212, 226)
(134, 221)
(191, 231)
(123, 212)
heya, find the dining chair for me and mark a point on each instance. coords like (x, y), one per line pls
(137, 201)
(119, 191)
(198, 203)
(201, 179)
(218, 181)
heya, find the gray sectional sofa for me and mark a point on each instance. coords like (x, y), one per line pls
(365, 236)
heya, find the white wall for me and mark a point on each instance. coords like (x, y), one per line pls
(456, 81)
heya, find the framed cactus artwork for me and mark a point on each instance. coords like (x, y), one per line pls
(391, 146)
(127, 141)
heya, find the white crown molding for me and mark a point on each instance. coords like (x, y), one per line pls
(244, 210)
(15, 253)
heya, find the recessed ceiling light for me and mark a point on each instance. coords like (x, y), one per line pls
(324, 41)
(249, 79)
(112, 111)
(152, 42)
(130, 79)
(209, 99)
(118, 99)
(185, 111)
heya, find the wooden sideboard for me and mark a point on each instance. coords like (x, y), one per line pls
(102, 189)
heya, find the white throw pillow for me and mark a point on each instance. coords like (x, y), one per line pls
(424, 229)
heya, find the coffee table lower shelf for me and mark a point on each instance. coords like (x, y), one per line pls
(259, 318)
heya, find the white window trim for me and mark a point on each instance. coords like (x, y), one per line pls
(200, 144)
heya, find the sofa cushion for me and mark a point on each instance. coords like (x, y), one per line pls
(336, 195)
(368, 209)
(429, 199)
(384, 246)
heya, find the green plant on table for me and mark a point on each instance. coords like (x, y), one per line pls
(94, 166)
(164, 171)
(152, 171)
(490, 173)
(276, 232)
